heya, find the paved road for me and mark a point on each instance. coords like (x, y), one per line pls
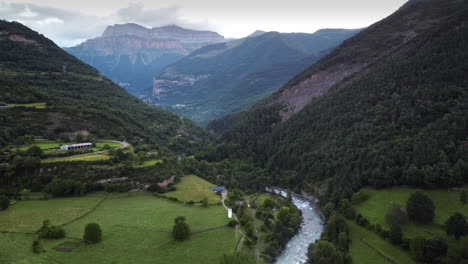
(5, 106)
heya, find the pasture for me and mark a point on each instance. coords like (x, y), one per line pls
(136, 229)
(194, 188)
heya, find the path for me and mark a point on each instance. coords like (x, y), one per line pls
(241, 241)
(5, 106)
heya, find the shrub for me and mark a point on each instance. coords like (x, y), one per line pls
(233, 223)
(4, 202)
(464, 197)
(420, 208)
(205, 202)
(396, 215)
(456, 226)
(36, 246)
(92, 233)
(47, 230)
(396, 234)
(359, 197)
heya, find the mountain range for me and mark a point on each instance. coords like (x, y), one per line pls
(219, 79)
(130, 54)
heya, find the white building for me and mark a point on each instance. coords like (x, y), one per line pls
(229, 213)
(77, 146)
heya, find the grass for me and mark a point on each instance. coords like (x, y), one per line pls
(366, 254)
(27, 216)
(110, 144)
(446, 202)
(136, 229)
(31, 105)
(44, 145)
(148, 163)
(84, 157)
(194, 188)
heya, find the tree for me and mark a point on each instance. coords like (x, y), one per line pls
(47, 230)
(36, 246)
(435, 249)
(464, 197)
(4, 202)
(456, 225)
(269, 203)
(420, 208)
(92, 233)
(34, 151)
(324, 252)
(417, 248)
(205, 202)
(396, 234)
(396, 215)
(237, 258)
(181, 230)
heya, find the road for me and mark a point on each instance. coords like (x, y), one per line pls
(241, 241)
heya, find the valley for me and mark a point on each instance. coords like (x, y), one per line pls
(182, 146)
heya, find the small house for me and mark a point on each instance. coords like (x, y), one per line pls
(219, 189)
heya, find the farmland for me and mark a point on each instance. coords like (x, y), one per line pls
(136, 229)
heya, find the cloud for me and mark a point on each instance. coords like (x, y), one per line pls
(69, 28)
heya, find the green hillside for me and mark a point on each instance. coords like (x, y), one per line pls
(74, 98)
(400, 121)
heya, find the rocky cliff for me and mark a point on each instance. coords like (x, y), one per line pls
(131, 54)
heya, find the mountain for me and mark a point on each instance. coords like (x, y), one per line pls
(72, 97)
(387, 107)
(131, 54)
(256, 33)
(228, 77)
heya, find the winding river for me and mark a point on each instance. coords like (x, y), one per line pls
(295, 251)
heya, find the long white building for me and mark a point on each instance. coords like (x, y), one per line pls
(77, 146)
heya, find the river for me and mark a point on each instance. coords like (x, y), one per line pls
(295, 251)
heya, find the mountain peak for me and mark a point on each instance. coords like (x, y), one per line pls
(173, 32)
(257, 33)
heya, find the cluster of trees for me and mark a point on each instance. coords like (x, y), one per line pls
(92, 234)
(280, 228)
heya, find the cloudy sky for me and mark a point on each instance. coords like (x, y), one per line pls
(69, 22)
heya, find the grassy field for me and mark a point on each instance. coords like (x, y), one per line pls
(136, 229)
(366, 245)
(110, 144)
(32, 105)
(27, 216)
(193, 188)
(147, 163)
(84, 157)
(446, 202)
(44, 145)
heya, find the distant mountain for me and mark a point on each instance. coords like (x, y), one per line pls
(130, 54)
(228, 77)
(257, 33)
(75, 98)
(387, 107)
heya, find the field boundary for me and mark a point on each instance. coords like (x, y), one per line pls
(387, 258)
(90, 211)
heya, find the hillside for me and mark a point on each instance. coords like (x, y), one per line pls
(395, 114)
(130, 54)
(45, 92)
(223, 78)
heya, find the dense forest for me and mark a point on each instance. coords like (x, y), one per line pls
(402, 122)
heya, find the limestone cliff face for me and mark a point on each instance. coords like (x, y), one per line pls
(131, 54)
(168, 32)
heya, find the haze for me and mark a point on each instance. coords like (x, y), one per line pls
(71, 22)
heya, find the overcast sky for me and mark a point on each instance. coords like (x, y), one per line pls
(70, 22)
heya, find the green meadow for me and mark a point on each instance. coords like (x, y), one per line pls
(193, 188)
(136, 229)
